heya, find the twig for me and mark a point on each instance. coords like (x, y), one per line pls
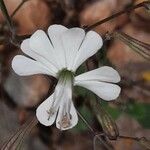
(96, 135)
(7, 17)
(14, 39)
(18, 7)
(87, 124)
(106, 145)
(128, 137)
(87, 28)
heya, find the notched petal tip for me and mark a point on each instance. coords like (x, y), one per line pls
(25, 45)
(90, 45)
(38, 39)
(44, 112)
(106, 91)
(56, 27)
(16, 64)
(66, 122)
(38, 33)
(96, 36)
(44, 121)
(72, 40)
(41, 45)
(114, 73)
(114, 94)
(25, 66)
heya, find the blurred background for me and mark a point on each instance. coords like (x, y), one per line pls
(20, 96)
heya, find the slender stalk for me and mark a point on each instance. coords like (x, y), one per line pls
(18, 7)
(128, 137)
(139, 47)
(87, 28)
(7, 17)
(15, 141)
(142, 141)
(22, 37)
(84, 120)
(14, 39)
(96, 135)
(104, 143)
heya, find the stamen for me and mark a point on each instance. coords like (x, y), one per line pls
(50, 113)
(65, 122)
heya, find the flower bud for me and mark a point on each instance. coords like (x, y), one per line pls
(141, 48)
(108, 124)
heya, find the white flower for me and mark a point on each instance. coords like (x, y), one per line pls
(59, 55)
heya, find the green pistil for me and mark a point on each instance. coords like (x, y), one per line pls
(65, 75)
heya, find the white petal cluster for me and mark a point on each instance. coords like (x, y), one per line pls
(59, 53)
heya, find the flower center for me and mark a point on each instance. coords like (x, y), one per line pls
(65, 75)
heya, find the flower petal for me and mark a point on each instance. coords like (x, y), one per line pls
(72, 114)
(67, 117)
(91, 44)
(55, 32)
(43, 112)
(107, 74)
(72, 40)
(26, 66)
(25, 47)
(40, 44)
(106, 91)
